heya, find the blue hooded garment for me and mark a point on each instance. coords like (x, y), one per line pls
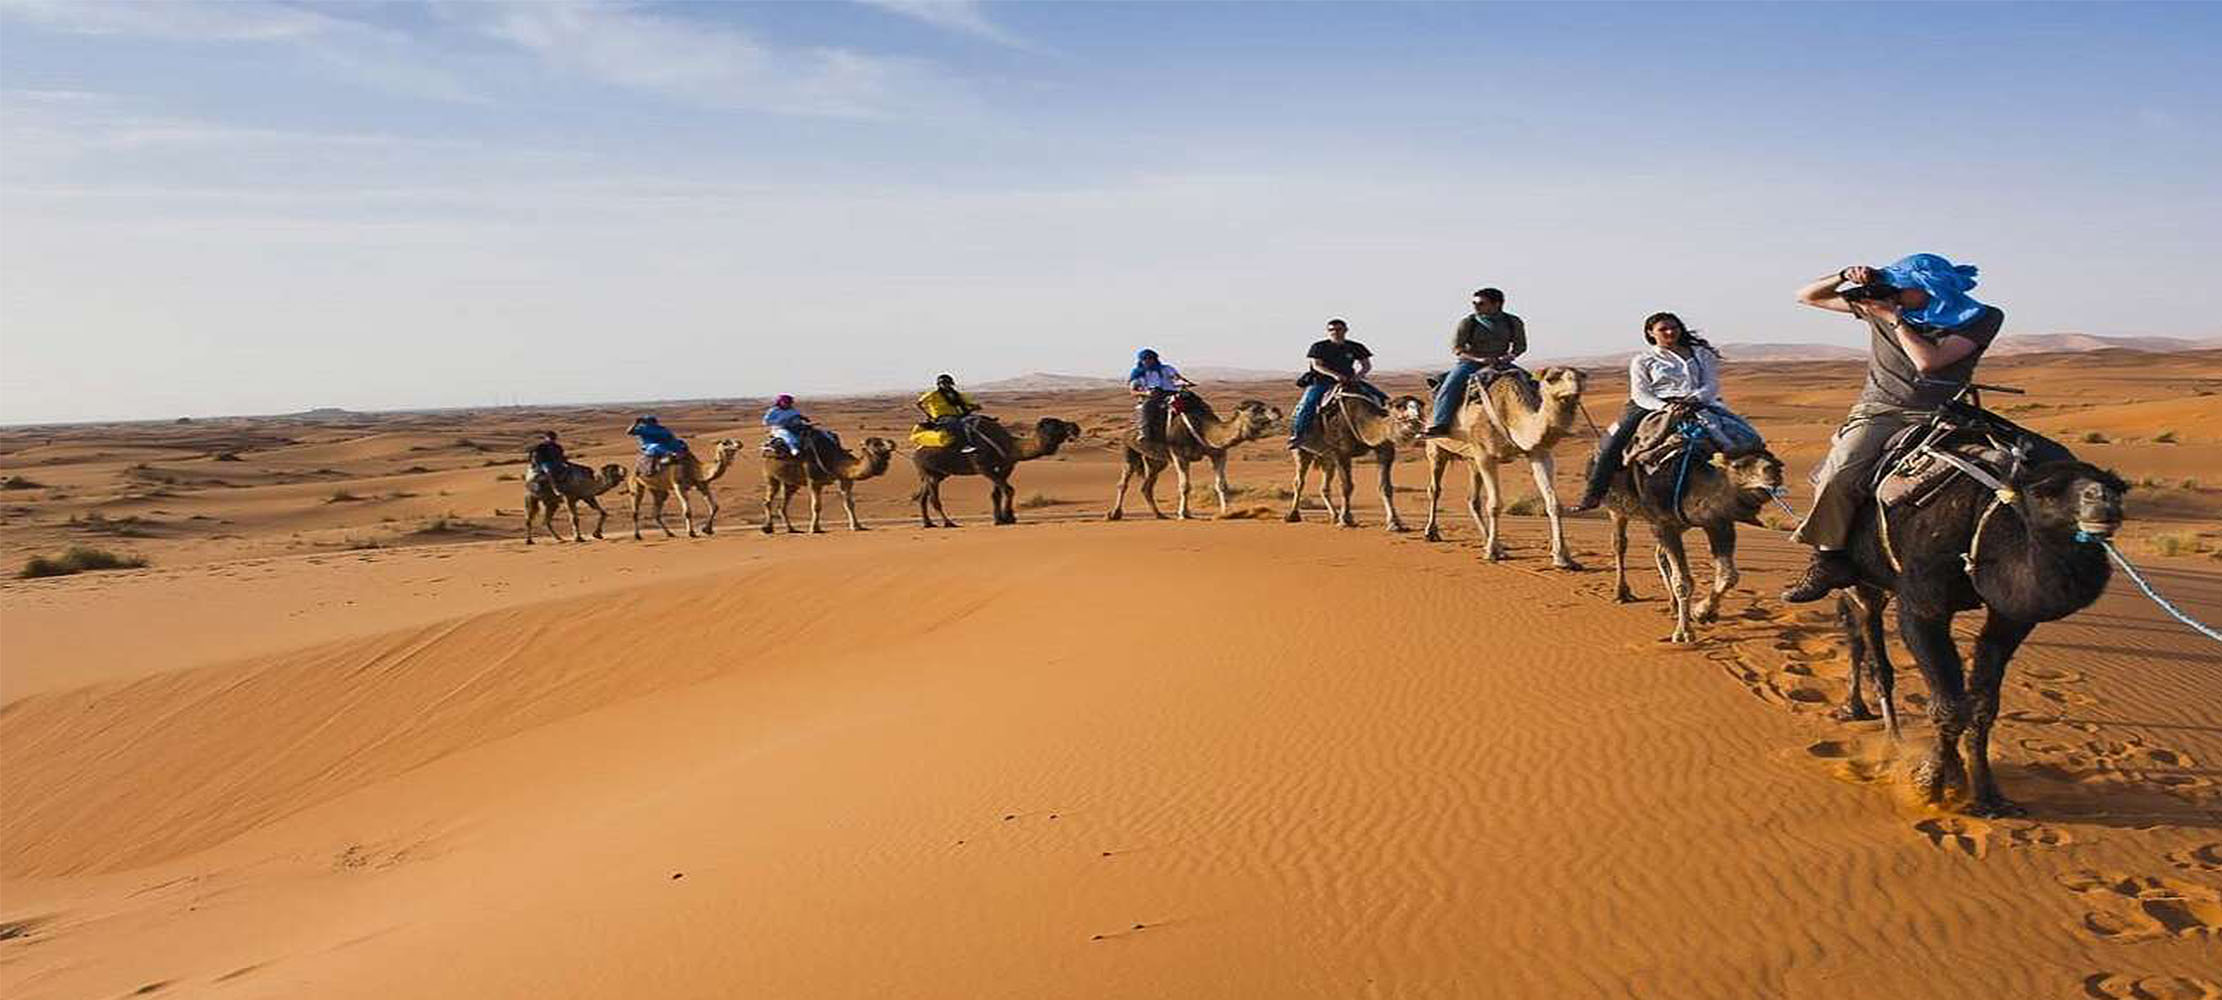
(1947, 284)
(1144, 360)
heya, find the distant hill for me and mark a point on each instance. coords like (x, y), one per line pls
(1045, 382)
(2038, 343)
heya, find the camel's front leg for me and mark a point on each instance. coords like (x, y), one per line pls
(601, 516)
(772, 488)
(634, 498)
(1621, 593)
(1126, 475)
(1546, 490)
(576, 534)
(709, 495)
(1492, 505)
(1674, 567)
(1219, 479)
(1180, 475)
(686, 510)
(1994, 648)
(848, 503)
(1003, 498)
(817, 504)
(1385, 457)
(1929, 638)
(1151, 470)
(1721, 539)
(1437, 461)
(531, 510)
(1296, 489)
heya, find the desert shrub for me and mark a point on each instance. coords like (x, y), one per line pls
(2152, 482)
(1039, 500)
(399, 495)
(341, 496)
(20, 483)
(2165, 437)
(1530, 504)
(356, 544)
(2189, 483)
(227, 456)
(2174, 543)
(2092, 437)
(77, 559)
(414, 469)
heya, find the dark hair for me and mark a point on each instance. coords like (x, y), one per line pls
(1689, 336)
(547, 434)
(946, 377)
(1337, 321)
(1495, 295)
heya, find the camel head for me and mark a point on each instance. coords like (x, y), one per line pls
(1559, 382)
(727, 448)
(1255, 418)
(2063, 498)
(1756, 478)
(877, 449)
(609, 477)
(1407, 418)
(1053, 431)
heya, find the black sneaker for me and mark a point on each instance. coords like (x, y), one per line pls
(1436, 432)
(1586, 503)
(1827, 572)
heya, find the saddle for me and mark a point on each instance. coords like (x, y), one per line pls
(649, 465)
(1662, 436)
(1959, 440)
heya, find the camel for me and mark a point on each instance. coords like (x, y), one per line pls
(571, 485)
(1716, 494)
(1195, 433)
(1349, 425)
(1497, 424)
(678, 475)
(784, 476)
(2034, 564)
(997, 454)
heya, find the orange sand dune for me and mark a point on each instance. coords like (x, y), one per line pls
(348, 737)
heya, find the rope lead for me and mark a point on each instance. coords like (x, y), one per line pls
(2139, 579)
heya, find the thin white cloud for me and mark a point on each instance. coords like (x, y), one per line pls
(241, 20)
(964, 17)
(713, 64)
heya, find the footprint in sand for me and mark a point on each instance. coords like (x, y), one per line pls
(1846, 764)
(2144, 907)
(2055, 675)
(2039, 835)
(2203, 858)
(1956, 833)
(2121, 986)
(2065, 697)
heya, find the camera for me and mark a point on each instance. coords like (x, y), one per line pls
(1871, 292)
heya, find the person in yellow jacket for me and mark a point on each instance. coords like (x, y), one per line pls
(946, 409)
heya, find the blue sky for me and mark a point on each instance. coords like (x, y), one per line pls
(259, 207)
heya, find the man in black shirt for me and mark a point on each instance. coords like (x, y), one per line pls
(546, 458)
(1338, 360)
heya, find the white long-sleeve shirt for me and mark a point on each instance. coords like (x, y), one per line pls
(1658, 375)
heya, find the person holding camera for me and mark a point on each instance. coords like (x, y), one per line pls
(1927, 335)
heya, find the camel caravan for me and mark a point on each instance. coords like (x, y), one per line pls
(1926, 500)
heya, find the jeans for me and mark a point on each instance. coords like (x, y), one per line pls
(1611, 451)
(1451, 391)
(1307, 409)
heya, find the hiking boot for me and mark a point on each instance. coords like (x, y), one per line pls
(1436, 432)
(1587, 503)
(1827, 572)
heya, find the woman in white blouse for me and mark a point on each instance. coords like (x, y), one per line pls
(1677, 366)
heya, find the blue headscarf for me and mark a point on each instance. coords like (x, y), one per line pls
(1144, 360)
(1947, 284)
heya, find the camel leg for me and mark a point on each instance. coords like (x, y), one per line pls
(709, 496)
(1437, 461)
(1345, 470)
(1621, 593)
(1386, 457)
(1180, 475)
(659, 512)
(686, 510)
(1492, 501)
(634, 497)
(1547, 491)
(1994, 647)
(817, 504)
(1674, 565)
(601, 516)
(933, 493)
(1151, 470)
(1296, 489)
(1219, 479)
(1721, 540)
(1126, 474)
(531, 507)
(1929, 638)
(771, 502)
(1001, 497)
(576, 534)
(1860, 611)
(848, 503)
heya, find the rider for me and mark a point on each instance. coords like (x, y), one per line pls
(789, 425)
(946, 408)
(546, 458)
(1490, 338)
(1336, 361)
(1153, 382)
(657, 443)
(1676, 366)
(1927, 336)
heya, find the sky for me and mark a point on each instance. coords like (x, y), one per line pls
(263, 207)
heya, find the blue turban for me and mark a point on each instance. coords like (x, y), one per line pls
(1144, 360)
(1947, 284)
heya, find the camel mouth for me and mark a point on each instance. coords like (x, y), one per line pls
(2101, 529)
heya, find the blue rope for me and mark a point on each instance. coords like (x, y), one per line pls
(2123, 562)
(1691, 432)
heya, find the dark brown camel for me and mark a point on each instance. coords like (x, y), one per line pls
(571, 486)
(2030, 568)
(997, 453)
(1716, 494)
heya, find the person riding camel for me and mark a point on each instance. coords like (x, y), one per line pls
(1676, 368)
(789, 427)
(948, 410)
(1927, 335)
(545, 459)
(1334, 362)
(1153, 383)
(657, 443)
(1487, 339)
